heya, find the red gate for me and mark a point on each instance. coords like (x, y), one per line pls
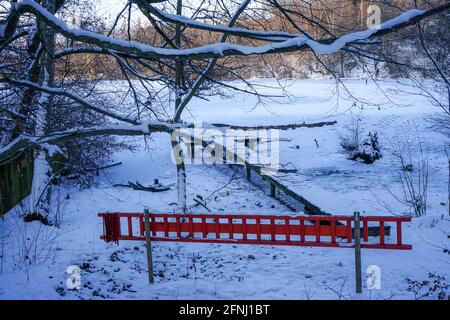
(320, 231)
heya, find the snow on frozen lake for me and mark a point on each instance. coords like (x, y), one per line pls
(211, 271)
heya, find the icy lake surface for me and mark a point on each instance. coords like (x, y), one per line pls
(324, 175)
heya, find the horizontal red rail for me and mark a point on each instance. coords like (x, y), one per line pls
(322, 231)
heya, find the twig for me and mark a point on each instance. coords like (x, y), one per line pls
(139, 187)
(199, 203)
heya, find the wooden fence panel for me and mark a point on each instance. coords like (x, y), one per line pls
(16, 179)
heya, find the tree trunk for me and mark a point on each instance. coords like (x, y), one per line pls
(178, 156)
(181, 168)
(41, 190)
(179, 65)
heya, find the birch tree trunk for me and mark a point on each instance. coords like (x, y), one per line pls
(181, 167)
(181, 175)
(41, 189)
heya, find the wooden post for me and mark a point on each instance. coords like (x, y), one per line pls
(224, 154)
(248, 172)
(357, 228)
(148, 240)
(273, 190)
(193, 149)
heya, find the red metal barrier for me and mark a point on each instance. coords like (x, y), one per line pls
(320, 231)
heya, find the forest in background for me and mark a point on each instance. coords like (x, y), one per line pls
(318, 18)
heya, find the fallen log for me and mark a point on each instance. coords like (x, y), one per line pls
(276, 127)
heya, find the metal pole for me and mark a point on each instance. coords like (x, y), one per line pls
(357, 228)
(148, 240)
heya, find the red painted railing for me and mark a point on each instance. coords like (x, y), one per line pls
(321, 231)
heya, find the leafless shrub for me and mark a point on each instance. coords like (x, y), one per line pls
(35, 244)
(352, 139)
(435, 286)
(440, 122)
(3, 241)
(340, 291)
(413, 175)
(306, 294)
(59, 209)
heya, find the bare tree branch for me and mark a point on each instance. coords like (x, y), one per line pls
(299, 43)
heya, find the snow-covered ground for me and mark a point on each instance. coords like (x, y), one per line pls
(325, 176)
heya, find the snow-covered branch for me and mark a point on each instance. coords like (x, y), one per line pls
(68, 94)
(212, 50)
(209, 68)
(26, 141)
(185, 21)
